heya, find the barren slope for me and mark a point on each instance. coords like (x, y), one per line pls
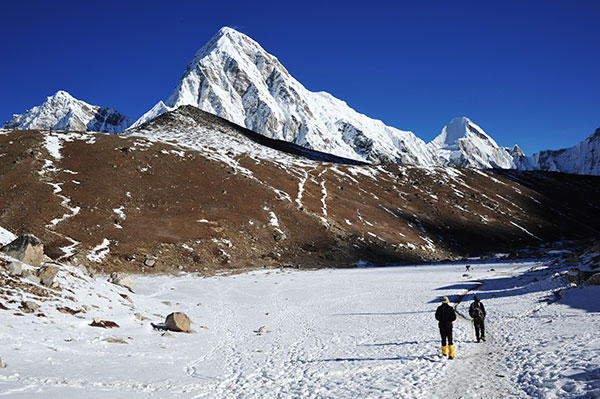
(214, 199)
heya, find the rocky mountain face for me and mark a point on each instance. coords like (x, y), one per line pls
(191, 191)
(63, 112)
(233, 77)
(462, 143)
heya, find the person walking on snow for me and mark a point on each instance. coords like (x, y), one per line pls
(477, 312)
(445, 315)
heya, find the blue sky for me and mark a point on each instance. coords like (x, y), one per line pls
(527, 72)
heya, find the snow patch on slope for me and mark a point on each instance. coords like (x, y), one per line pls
(6, 236)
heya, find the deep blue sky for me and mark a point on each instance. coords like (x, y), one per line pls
(527, 72)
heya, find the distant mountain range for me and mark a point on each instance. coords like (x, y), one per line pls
(63, 112)
(233, 77)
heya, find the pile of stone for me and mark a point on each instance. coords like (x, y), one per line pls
(29, 250)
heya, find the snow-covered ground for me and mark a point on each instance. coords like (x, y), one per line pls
(354, 333)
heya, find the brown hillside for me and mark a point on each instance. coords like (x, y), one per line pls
(214, 199)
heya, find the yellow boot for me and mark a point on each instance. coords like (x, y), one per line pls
(444, 350)
(451, 353)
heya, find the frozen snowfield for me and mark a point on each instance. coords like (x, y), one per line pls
(354, 333)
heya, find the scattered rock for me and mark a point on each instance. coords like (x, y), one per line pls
(26, 248)
(29, 306)
(47, 274)
(167, 335)
(1, 364)
(34, 278)
(178, 322)
(150, 262)
(279, 235)
(122, 279)
(594, 280)
(125, 296)
(141, 317)
(15, 269)
(262, 330)
(68, 310)
(114, 340)
(103, 323)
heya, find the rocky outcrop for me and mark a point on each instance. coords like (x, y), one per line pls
(26, 248)
(15, 268)
(178, 322)
(47, 274)
(122, 279)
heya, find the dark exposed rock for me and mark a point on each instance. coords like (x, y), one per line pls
(103, 323)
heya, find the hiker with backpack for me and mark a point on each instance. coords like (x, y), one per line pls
(445, 315)
(477, 313)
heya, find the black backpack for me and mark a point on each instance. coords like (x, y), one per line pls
(476, 311)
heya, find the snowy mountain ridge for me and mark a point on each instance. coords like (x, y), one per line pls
(233, 77)
(582, 159)
(61, 111)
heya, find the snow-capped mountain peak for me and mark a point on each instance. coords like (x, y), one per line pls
(463, 143)
(583, 158)
(61, 111)
(233, 77)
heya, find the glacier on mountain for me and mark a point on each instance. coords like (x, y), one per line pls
(61, 111)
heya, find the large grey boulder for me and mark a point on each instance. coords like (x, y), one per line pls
(26, 248)
(178, 322)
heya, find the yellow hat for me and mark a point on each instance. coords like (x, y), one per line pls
(445, 299)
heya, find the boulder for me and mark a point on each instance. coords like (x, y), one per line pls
(122, 279)
(262, 330)
(47, 274)
(178, 322)
(150, 262)
(279, 235)
(26, 248)
(96, 322)
(29, 306)
(594, 280)
(15, 268)
(34, 278)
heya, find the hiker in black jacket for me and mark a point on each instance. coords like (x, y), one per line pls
(477, 312)
(446, 315)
